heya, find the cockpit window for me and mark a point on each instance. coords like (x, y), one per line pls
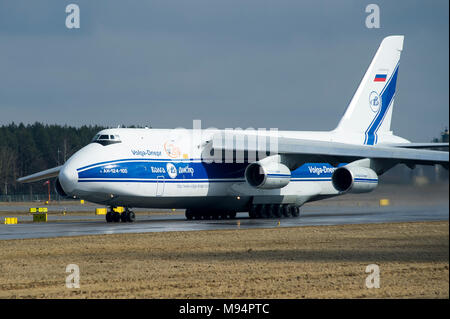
(95, 138)
(106, 139)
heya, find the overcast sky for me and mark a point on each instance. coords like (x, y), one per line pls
(293, 65)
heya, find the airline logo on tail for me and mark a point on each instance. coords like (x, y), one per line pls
(374, 101)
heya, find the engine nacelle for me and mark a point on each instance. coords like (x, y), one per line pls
(267, 175)
(354, 179)
(59, 188)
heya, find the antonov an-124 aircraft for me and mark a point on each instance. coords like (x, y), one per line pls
(268, 173)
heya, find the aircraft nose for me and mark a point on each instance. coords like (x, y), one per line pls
(68, 178)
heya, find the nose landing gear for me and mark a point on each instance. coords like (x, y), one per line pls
(117, 214)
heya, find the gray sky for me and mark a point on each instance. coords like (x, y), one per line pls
(293, 65)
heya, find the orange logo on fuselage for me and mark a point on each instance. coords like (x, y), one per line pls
(172, 150)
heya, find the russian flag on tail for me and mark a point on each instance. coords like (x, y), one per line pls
(380, 78)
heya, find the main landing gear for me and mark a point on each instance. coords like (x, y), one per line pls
(209, 214)
(124, 215)
(274, 211)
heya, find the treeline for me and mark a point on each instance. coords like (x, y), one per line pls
(27, 149)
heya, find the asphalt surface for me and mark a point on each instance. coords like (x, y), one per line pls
(80, 225)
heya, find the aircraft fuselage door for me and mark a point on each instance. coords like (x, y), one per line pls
(160, 185)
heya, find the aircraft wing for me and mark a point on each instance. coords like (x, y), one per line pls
(440, 146)
(299, 151)
(49, 173)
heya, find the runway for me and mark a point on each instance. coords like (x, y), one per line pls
(310, 216)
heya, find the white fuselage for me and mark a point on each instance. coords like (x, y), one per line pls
(158, 168)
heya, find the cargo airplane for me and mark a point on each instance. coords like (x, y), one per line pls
(217, 173)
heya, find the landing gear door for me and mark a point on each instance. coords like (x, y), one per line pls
(160, 185)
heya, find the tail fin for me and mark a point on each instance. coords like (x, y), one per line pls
(370, 110)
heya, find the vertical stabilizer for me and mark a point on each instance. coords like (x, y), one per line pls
(370, 110)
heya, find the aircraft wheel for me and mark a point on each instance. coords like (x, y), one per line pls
(109, 218)
(259, 211)
(262, 211)
(286, 211)
(277, 210)
(268, 211)
(124, 216)
(295, 211)
(131, 216)
(115, 217)
(252, 211)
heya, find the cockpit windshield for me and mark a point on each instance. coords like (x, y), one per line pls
(105, 139)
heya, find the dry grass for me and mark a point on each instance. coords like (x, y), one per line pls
(302, 262)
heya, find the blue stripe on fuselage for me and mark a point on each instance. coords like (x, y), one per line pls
(195, 171)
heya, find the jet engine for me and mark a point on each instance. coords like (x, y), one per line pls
(59, 188)
(354, 179)
(267, 174)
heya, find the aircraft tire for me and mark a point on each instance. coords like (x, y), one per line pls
(252, 211)
(115, 217)
(108, 217)
(269, 211)
(265, 211)
(259, 211)
(131, 216)
(295, 211)
(286, 210)
(124, 217)
(277, 211)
